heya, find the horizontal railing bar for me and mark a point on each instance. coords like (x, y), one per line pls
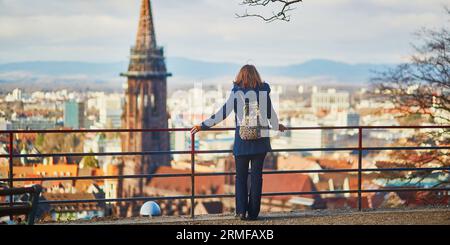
(310, 171)
(212, 152)
(404, 169)
(221, 151)
(331, 171)
(372, 127)
(282, 172)
(168, 152)
(315, 149)
(139, 176)
(405, 190)
(363, 149)
(136, 199)
(213, 129)
(330, 192)
(324, 128)
(81, 154)
(56, 131)
(344, 170)
(74, 178)
(406, 148)
(130, 199)
(349, 127)
(279, 194)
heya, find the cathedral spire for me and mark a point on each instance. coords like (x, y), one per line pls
(146, 32)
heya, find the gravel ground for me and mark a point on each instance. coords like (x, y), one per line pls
(429, 216)
(438, 217)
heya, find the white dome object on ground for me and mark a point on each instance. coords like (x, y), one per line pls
(150, 209)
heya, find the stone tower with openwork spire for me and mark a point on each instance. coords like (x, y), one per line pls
(144, 108)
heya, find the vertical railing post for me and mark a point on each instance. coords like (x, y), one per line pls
(11, 170)
(192, 175)
(360, 146)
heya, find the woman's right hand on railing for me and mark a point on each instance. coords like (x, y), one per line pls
(282, 128)
(196, 129)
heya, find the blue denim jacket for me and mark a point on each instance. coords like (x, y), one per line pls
(245, 147)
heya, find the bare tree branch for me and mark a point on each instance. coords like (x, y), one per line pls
(281, 8)
(421, 87)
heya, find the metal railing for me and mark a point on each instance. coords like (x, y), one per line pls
(360, 148)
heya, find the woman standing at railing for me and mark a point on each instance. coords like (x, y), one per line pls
(254, 117)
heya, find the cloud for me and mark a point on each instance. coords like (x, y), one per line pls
(103, 30)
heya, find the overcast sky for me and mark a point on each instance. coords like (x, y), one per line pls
(375, 31)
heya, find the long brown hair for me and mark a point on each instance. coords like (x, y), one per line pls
(248, 77)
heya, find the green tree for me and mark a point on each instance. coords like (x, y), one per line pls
(40, 138)
(89, 162)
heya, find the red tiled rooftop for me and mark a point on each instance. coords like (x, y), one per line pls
(334, 164)
(203, 184)
(287, 183)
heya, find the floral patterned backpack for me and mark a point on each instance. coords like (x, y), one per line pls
(250, 128)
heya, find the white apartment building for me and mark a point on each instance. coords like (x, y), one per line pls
(330, 100)
(111, 110)
(316, 138)
(342, 118)
(15, 95)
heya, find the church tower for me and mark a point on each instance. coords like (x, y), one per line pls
(145, 107)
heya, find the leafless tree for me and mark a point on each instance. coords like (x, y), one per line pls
(420, 89)
(280, 9)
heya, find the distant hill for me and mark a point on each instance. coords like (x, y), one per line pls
(107, 74)
(342, 72)
(65, 68)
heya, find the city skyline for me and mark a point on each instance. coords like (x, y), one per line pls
(98, 31)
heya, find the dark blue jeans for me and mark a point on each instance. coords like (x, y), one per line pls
(245, 202)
